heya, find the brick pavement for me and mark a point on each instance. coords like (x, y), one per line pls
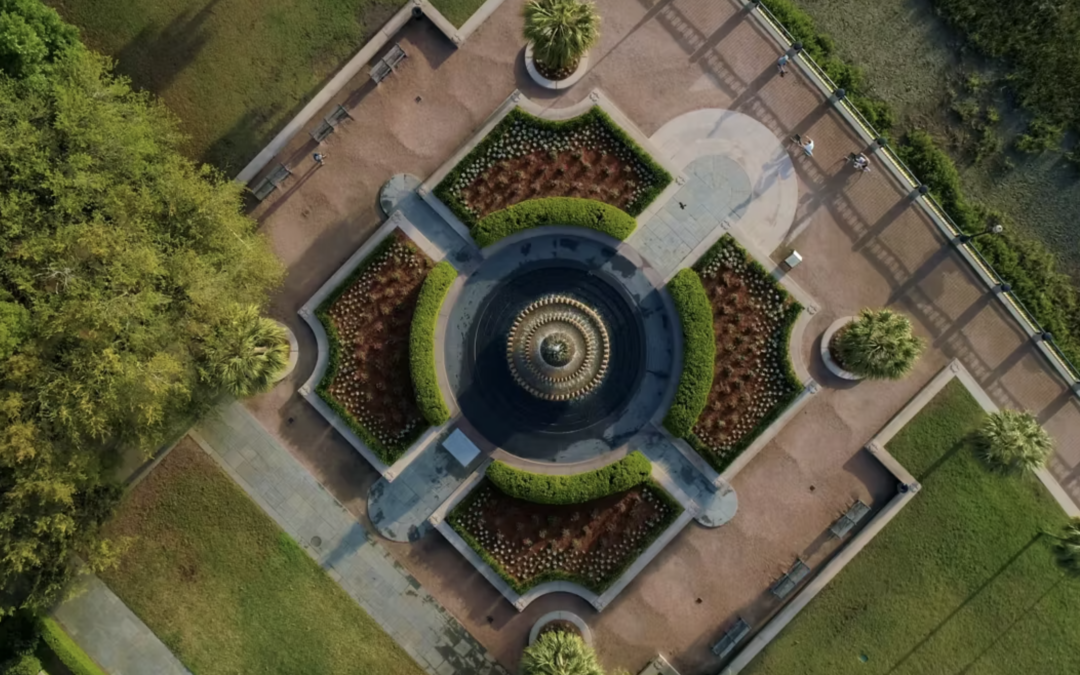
(310, 515)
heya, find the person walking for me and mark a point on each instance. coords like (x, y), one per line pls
(781, 65)
(808, 147)
(319, 158)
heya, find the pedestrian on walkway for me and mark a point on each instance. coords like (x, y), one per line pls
(781, 65)
(808, 147)
(320, 158)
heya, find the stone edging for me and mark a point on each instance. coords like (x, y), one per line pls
(322, 361)
(876, 447)
(826, 354)
(586, 632)
(522, 600)
(534, 73)
(519, 100)
(294, 353)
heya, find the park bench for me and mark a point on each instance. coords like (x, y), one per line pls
(787, 583)
(850, 519)
(330, 123)
(731, 638)
(381, 70)
(271, 182)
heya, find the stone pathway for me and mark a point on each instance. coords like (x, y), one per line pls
(330, 534)
(400, 510)
(111, 634)
(718, 506)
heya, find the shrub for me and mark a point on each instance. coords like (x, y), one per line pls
(1013, 442)
(699, 351)
(561, 31)
(631, 470)
(879, 345)
(560, 652)
(66, 650)
(246, 353)
(1068, 548)
(1040, 137)
(22, 665)
(422, 343)
(554, 211)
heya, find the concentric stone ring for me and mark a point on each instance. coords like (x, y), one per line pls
(558, 349)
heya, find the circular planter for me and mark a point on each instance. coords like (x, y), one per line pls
(826, 355)
(530, 65)
(294, 353)
(569, 617)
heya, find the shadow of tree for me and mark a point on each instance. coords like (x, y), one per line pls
(156, 56)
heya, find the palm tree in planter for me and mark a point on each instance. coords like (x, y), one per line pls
(879, 345)
(559, 652)
(561, 32)
(1013, 442)
(246, 353)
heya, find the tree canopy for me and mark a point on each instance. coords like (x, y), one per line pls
(121, 260)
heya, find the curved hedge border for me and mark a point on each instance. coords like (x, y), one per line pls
(559, 575)
(66, 650)
(634, 469)
(574, 211)
(422, 343)
(382, 451)
(444, 190)
(699, 351)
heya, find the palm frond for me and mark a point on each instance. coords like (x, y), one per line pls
(879, 345)
(1013, 442)
(560, 653)
(561, 31)
(1068, 548)
(247, 353)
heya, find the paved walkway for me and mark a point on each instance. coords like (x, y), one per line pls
(718, 506)
(111, 634)
(363, 568)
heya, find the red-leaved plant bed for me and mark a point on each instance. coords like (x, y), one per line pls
(368, 320)
(753, 381)
(526, 157)
(591, 543)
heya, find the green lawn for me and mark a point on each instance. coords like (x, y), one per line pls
(233, 71)
(457, 11)
(959, 582)
(228, 591)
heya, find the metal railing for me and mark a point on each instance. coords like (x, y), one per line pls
(952, 231)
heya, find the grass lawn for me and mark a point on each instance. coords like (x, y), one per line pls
(959, 582)
(457, 12)
(233, 71)
(227, 590)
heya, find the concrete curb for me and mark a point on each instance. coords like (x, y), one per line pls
(522, 600)
(309, 389)
(586, 632)
(558, 85)
(826, 354)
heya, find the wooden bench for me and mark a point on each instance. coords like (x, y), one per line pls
(381, 70)
(330, 123)
(731, 638)
(271, 182)
(787, 583)
(850, 519)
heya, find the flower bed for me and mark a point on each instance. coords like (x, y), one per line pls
(590, 544)
(368, 320)
(753, 381)
(526, 157)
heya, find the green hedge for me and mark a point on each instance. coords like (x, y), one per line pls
(538, 488)
(66, 650)
(554, 211)
(598, 586)
(387, 454)
(422, 343)
(822, 49)
(699, 351)
(1026, 264)
(445, 189)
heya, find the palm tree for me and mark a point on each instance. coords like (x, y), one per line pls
(246, 353)
(1068, 547)
(559, 652)
(561, 31)
(879, 345)
(1013, 442)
